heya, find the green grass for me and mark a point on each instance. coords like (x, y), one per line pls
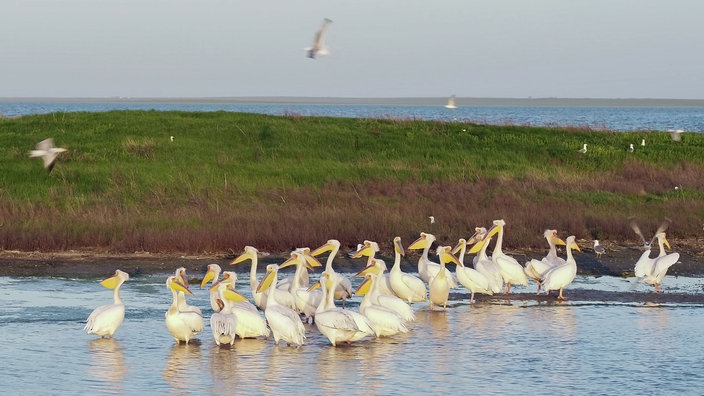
(231, 179)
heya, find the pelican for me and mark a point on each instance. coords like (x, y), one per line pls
(439, 288)
(451, 103)
(212, 275)
(105, 319)
(282, 295)
(224, 322)
(250, 324)
(336, 324)
(384, 321)
(344, 289)
(561, 276)
(307, 301)
(598, 249)
(182, 304)
(48, 153)
(468, 277)
(406, 286)
(388, 300)
(583, 150)
(283, 321)
(483, 263)
(318, 48)
(428, 269)
(511, 271)
(652, 271)
(182, 325)
(369, 249)
(536, 269)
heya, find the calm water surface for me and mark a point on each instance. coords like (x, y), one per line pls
(489, 348)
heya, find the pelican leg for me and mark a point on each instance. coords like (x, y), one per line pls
(560, 296)
(471, 298)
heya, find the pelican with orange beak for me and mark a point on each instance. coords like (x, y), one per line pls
(105, 319)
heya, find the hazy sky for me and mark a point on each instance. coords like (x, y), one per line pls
(379, 48)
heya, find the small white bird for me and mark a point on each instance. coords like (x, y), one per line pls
(598, 249)
(642, 142)
(171, 138)
(48, 152)
(432, 219)
(676, 134)
(630, 148)
(583, 149)
(318, 48)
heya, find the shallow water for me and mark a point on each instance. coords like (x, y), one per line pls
(487, 348)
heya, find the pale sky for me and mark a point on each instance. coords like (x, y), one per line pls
(379, 48)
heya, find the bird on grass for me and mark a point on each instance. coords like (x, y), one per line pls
(48, 153)
(642, 142)
(676, 134)
(630, 148)
(583, 150)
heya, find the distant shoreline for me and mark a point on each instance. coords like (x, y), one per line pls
(417, 101)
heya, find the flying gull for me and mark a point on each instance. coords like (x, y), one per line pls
(318, 48)
(48, 152)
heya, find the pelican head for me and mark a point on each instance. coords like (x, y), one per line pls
(368, 249)
(250, 253)
(330, 245)
(173, 282)
(425, 241)
(213, 272)
(551, 235)
(398, 247)
(119, 278)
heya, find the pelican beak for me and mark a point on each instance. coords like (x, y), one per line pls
(473, 239)
(478, 246)
(184, 279)
(112, 281)
(234, 296)
(311, 262)
(178, 286)
(370, 269)
(558, 241)
(364, 287)
(215, 285)
(447, 257)
(575, 246)
(462, 243)
(291, 261)
(314, 286)
(398, 248)
(493, 231)
(325, 248)
(420, 243)
(365, 251)
(267, 281)
(666, 243)
(210, 275)
(242, 257)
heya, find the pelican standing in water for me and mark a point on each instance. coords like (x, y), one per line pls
(536, 269)
(653, 271)
(378, 296)
(306, 300)
(284, 322)
(483, 263)
(561, 276)
(282, 295)
(468, 277)
(182, 325)
(182, 304)
(344, 288)
(511, 271)
(48, 153)
(439, 288)
(213, 274)
(369, 249)
(318, 48)
(406, 286)
(428, 269)
(385, 321)
(224, 323)
(105, 319)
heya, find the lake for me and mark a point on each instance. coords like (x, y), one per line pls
(492, 347)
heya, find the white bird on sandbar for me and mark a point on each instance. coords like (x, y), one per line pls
(344, 288)
(318, 48)
(224, 323)
(428, 269)
(536, 269)
(378, 296)
(406, 286)
(105, 319)
(384, 320)
(559, 277)
(282, 295)
(182, 325)
(339, 324)
(439, 287)
(653, 270)
(284, 322)
(48, 153)
(583, 150)
(511, 271)
(473, 280)
(482, 262)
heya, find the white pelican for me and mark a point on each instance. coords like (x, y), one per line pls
(451, 103)
(511, 271)
(250, 324)
(282, 295)
(224, 322)
(369, 249)
(182, 304)
(652, 271)
(182, 325)
(284, 322)
(385, 321)
(428, 269)
(439, 288)
(583, 150)
(105, 319)
(318, 48)
(344, 289)
(213, 274)
(598, 249)
(561, 276)
(483, 263)
(536, 269)
(388, 300)
(406, 286)
(473, 280)
(48, 152)
(337, 324)
(307, 301)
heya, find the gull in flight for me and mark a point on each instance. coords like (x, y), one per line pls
(451, 103)
(318, 47)
(48, 152)
(583, 149)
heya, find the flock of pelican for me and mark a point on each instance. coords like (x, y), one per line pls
(386, 308)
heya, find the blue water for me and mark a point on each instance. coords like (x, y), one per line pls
(689, 119)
